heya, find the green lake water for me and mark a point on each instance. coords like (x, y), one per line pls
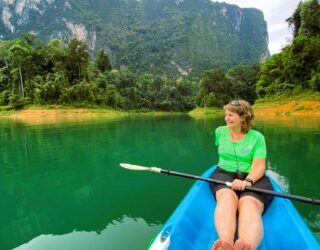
(61, 186)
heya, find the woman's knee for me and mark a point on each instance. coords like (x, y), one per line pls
(227, 196)
(251, 205)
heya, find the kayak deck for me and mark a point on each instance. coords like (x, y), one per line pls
(191, 226)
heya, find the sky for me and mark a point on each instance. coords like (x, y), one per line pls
(275, 14)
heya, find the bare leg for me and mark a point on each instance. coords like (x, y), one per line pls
(225, 218)
(250, 228)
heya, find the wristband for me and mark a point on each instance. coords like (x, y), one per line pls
(249, 180)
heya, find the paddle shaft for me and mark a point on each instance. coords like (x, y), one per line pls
(258, 190)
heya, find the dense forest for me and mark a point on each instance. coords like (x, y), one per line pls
(156, 36)
(297, 67)
(35, 72)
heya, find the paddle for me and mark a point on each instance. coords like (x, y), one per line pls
(229, 184)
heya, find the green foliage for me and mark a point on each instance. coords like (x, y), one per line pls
(32, 40)
(16, 101)
(4, 52)
(211, 100)
(243, 80)
(297, 66)
(4, 78)
(77, 60)
(310, 18)
(55, 53)
(217, 88)
(314, 82)
(155, 36)
(113, 98)
(306, 19)
(4, 98)
(102, 62)
(295, 20)
(56, 73)
(50, 91)
(77, 93)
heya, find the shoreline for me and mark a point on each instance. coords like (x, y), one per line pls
(274, 109)
(54, 114)
(289, 108)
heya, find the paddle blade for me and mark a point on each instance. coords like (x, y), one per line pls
(133, 167)
(139, 168)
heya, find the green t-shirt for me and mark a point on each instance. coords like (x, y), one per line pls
(234, 155)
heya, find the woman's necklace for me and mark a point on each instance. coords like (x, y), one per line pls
(236, 138)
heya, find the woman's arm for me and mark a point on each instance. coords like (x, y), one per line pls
(258, 169)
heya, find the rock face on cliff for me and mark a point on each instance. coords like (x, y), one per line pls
(161, 36)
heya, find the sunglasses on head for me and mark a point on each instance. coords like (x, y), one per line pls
(235, 103)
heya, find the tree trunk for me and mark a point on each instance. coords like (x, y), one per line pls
(21, 81)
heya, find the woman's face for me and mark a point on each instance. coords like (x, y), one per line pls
(233, 120)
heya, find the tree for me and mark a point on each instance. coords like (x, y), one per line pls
(243, 80)
(295, 20)
(314, 82)
(19, 54)
(32, 40)
(77, 58)
(114, 99)
(310, 18)
(55, 53)
(4, 52)
(4, 78)
(306, 19)
(271, 74)
(216, 82)
(102, 61)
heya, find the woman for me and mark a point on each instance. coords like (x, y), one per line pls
(242, 154)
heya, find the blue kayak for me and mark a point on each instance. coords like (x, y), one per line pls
(191, 226)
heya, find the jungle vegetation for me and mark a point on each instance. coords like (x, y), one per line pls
(35, 72)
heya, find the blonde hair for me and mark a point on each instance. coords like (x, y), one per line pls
(244, 110)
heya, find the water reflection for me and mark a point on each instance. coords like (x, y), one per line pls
(64, 178)
(120, 234)
(302, 122)
(62, 116)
